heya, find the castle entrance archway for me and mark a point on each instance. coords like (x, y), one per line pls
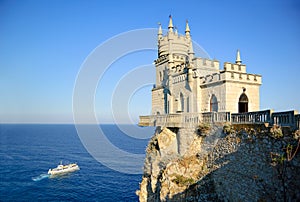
(243, 103)
(213, 104)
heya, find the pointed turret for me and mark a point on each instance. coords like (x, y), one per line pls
(188, 36)
(187, 29)
(170, 27)
(238, 58)
(159, 34)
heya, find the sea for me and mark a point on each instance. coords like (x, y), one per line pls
(27, 151)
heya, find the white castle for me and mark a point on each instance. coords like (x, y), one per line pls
(191, 89)
(189, 84)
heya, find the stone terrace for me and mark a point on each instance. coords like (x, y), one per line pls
(186, 120)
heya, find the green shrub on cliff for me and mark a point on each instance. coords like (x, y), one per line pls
(296, 134)
(183, 181)
(228, 129)
(203, 129)
(276, 131)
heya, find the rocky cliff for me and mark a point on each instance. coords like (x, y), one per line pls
(222, 163)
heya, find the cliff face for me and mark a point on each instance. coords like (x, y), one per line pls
(208, 165)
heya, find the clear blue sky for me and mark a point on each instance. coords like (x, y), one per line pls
(44, 43)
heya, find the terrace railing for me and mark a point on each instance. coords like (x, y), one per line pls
(288, 118)
(252, 117)
(184, 119)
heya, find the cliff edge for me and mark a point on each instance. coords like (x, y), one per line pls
(222, 163)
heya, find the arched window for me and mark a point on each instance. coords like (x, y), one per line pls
(182, 102)
(187, 104)
(213, 103)
(243, 103)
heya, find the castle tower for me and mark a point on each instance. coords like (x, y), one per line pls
(174, 53)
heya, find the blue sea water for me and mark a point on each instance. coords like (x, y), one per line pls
(28, 151)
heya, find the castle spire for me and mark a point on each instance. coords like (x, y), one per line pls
(159, 35)
(170, 27)
(187, 29)
(238, 58)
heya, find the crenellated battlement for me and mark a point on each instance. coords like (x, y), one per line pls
(225, 76)
(206, 63)
(233, 67)
(172, 43)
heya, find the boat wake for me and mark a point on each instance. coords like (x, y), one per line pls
(40, 177)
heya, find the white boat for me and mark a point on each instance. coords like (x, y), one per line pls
(60, 169)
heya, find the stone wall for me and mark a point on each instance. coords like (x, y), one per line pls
(244, 164)
(184, 139)
(248, 168)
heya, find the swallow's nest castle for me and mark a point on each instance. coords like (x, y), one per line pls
(189, 84)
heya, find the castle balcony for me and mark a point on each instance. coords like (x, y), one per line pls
(184, 119)
(286, 119)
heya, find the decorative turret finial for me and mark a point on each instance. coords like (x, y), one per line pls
(238, 58)
(187, 28)
(159, 31)
(170, 27)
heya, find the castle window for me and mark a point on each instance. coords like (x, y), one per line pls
(232, 75)
(182, 102)
(243, 103)
(187, 104)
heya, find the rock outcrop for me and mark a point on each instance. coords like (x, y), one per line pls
(239, 164)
